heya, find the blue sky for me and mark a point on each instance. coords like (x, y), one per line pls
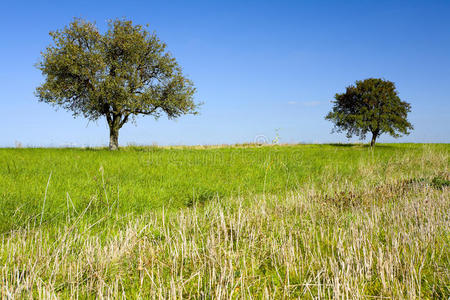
(260, 67)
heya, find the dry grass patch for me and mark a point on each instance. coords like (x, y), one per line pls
(293, 247)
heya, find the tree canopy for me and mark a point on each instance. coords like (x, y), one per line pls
(371, 105)
(119, 74)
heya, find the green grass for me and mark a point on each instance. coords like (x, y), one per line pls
(226, 221)
(138, 180)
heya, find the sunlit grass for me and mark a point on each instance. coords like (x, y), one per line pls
(292, 221)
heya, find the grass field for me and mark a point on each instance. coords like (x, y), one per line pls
(300, 221)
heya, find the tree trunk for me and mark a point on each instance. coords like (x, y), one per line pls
(374, 139)
(115, 122)
(113, 138)
(114, 126)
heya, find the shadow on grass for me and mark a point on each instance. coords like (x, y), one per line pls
(343, 145)
(350, 145)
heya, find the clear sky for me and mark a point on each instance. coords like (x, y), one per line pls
(260, 67)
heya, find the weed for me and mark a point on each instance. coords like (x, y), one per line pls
(440, 183)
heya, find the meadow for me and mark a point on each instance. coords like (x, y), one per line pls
(244, 221)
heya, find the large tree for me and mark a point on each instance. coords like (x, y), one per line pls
(371, 105)
(119, 74)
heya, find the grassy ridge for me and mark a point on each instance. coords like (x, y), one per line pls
(292, 221)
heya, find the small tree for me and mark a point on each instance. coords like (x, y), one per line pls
(372, 105)
(118, 75)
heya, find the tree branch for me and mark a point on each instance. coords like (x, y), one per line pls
(124, 120)
(108, 119)
(139, 111)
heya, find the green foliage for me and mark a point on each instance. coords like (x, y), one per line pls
(372, 105)
(118, 75)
